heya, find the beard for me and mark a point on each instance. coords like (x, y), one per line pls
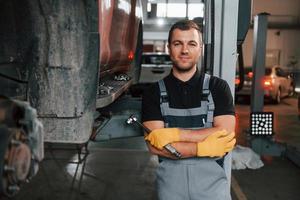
(183, 69)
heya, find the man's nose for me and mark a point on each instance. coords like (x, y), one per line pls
(184, 49)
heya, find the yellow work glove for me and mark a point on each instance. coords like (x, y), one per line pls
(216, 145)
(161, 137)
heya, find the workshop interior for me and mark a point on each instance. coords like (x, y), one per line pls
(72, 75)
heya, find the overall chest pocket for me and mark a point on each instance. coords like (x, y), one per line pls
(186, 121)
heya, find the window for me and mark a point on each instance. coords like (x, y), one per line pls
(179, 10)
(280, 72)
(171, 10)
(268, 71)
(195, 10)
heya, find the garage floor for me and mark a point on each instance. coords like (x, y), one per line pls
(123, 169)
(120, 169)
(128, 173)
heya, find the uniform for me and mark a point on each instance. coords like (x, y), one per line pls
(191, 178)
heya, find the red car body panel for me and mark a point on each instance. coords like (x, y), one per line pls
(118, 29)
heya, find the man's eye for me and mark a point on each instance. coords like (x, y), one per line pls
(176, 44)
(193, 44)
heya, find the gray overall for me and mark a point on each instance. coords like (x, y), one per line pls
(192, 178)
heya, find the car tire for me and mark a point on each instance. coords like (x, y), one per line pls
(236, 99)
(56, 47)
(299, 106)
(291, 90)
(277, 99)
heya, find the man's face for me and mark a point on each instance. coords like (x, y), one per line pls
(185, 49)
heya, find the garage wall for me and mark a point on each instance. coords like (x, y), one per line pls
(281, 42)
(277, 7)
(286, 42)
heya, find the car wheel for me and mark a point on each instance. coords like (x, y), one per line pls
(299, 106)
(236, 99)
(54, 47)
(277, 99)
(291, 90)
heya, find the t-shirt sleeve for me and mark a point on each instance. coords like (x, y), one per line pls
(222, 97)
(151, 104)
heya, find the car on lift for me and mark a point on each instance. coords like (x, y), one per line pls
(155, 66)
(277, 84)
(69, 58)
(66, 59)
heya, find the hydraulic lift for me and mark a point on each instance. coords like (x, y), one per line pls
(226, 25)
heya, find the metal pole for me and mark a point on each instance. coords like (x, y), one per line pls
(259, 53)
(225, 21)
(225, 40)
(261, 145)
(208, 33)
(187, 9)
(167, 3)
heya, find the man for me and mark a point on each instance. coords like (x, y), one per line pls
(194, 113)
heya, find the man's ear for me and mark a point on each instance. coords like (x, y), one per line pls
(168, 46)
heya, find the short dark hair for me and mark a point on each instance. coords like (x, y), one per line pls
(184, 25)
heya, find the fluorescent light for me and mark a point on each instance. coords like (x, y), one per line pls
(148, 7)
(160, 22)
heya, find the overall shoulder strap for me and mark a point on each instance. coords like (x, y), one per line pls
(163, 91)
(206, 82)
(205, 87)
(208, 97)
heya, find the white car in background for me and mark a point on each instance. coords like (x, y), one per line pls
(276, 83)
(155, 66)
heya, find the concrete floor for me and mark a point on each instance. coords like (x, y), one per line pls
(279, 179)
(126, 172)
(123, 169)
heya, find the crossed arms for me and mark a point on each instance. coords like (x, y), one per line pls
(189, 139)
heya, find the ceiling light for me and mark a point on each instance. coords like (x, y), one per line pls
(160, 22)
